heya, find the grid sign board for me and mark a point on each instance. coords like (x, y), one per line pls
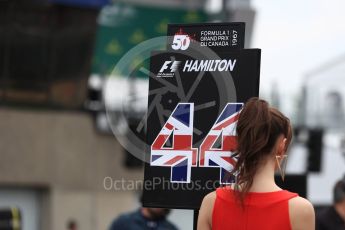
(196, 92)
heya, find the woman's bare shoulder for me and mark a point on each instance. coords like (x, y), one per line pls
(300, 204)
(205, 212)
(208, 202)
(302, 215)
(210, 198)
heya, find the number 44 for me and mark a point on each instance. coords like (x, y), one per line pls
(173, 146)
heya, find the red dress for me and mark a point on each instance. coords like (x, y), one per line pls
(262, 211)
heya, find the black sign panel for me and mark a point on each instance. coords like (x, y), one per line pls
(215, 36)
(194, 101)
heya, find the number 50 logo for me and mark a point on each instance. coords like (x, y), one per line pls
(180, 42)
(173, 147)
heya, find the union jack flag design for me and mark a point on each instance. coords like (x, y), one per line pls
(173, 145)
(218, 146)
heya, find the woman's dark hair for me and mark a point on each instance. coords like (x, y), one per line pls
(339, 191)
(258, 129)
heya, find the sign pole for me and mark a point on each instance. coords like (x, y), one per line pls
(195, 219)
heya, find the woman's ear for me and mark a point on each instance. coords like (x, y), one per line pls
(282, 146)
(284, 141)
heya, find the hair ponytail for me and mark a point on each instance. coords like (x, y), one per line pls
(258, 129)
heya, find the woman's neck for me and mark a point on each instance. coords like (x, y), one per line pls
(264, 178)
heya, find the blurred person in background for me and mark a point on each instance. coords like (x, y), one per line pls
(144, 219)
(333, 218)
(72, 225)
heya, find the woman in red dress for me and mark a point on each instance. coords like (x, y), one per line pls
(255, 201)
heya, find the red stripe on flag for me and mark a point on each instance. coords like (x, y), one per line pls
(230, 160)
(159, 142)
(227, 123)
(229, 143)
(169, 126)
(174, 160)
(206, 145)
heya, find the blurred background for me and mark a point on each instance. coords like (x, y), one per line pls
(57, 149)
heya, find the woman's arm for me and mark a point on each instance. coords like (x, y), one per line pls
(302, 215)
(205, 212)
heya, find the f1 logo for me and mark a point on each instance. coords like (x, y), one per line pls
(173, 66)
